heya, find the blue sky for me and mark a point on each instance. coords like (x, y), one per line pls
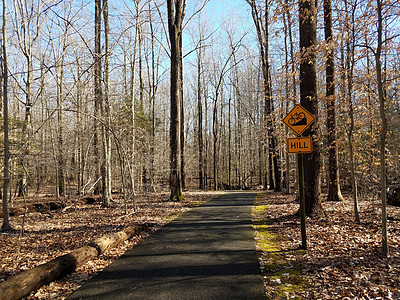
(228, 9)
(224, 7)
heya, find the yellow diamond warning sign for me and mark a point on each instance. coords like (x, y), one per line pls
(299, 145)
(298, 119)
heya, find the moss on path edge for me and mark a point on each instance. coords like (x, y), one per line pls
(282, 276)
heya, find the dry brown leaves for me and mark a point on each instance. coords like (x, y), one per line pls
(343, 260)
(50, 234)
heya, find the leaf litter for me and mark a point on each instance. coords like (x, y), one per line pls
(343, 259)
(49, 234)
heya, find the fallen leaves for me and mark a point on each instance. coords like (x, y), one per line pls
(343, 258)
(50, 234)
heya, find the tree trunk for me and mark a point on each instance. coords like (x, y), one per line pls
(274, 177)
(106, 136)
(98, 95)
(349, 72)
(206, 142)
(153, 89)
(176, 12)
(182, 119)
(215, 139)
(22, 162)
(334, 193)
(79, 124)
(292, 58)
(132, 99)
(383, 133)
(60, 133)
(287, 156)
(25, 282)
(200, 118)
(6, 226)
(308, 99)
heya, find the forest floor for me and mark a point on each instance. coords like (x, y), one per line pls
(52, 233)
(343, 259)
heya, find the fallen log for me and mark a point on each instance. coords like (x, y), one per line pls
(25, 282)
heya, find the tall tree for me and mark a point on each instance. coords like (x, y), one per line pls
(182, 120)
(199, 52)
(293, 96)
(106, 113)
(27, 28)
(98, 95)
(132, 95)
(6, 226)
(308, 99)
(153, 90)
(59, 48)
(348, 65)
(334, 193)
(176, 14)
(384, 126)
(262, 27)
(218, 91)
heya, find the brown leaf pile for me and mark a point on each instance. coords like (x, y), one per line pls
(49, 234)
(343, 260)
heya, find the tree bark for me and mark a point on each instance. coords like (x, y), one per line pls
(308, 99)
(6, 226)
(334, 193)
(132, 98)
(215, 137)
(287, 156)
(25, 282)
(98, 95)
(153, 89)
(182, 118)
(384, 128)
(176, 13)
(200, 118)
(349, 67)
(106, 136)
(60, 118)
(274, 177)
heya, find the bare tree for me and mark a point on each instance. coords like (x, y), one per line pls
(200, 114)
(348, 65)
(98, 94)
(106, 113)
(59, 48)
(6, 226)
(261, 23)
(27, 27)
(308, 99)
(334, 193)
(384, 126)
(153, 82)
(176, 14)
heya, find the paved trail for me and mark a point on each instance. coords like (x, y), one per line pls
(207, 253)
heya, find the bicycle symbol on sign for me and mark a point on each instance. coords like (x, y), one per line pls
(297, 119)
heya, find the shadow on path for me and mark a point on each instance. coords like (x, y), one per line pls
(208, 253)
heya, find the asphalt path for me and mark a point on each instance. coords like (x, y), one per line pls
(207, 253)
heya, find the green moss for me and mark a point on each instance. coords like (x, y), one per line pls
(259, 209)
(266, 239)
(180, 195)
(172, 217)
(280, 273)
(177, 197)
(195, 203)
(291, 282)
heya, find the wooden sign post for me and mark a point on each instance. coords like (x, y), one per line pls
(298, 120)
